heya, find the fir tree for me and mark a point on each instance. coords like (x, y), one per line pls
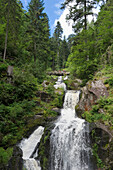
(57, 36)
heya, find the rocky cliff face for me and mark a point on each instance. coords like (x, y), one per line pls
(102, 136)
(90, 94)
(16, 161)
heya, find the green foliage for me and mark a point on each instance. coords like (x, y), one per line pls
(78, 12)
(44, 149)
(11, 122)
(102, 111)
(23, 87)
(3, 67)
(100, 164)
(92, 48)
(5, 156)
(109, 81)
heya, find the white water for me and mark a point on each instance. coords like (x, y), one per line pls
(28, 147)
(60, 84)
(69, 140)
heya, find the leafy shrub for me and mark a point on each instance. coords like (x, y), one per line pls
(87, 70)
(5, 155)
(110, 81)
(95, 153)
(3, 69)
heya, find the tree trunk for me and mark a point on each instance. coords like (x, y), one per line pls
(85, 15)
(7, 28)
(85, 25)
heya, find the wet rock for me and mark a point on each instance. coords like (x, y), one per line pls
(16, 162)
(44, 148)
(102, 139)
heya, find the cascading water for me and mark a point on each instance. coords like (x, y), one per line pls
(60, 84)
(70, 149)
(28, 147)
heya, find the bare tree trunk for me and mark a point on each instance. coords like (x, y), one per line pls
(85, 15)
(7, 28)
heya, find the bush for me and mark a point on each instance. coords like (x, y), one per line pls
(87, 70)
(5, 156)
(110, 81)
(3, 67)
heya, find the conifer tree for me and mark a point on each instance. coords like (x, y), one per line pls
(57, 36)
(79, 12)
(11, 14)
(38, 26)
(64, 52)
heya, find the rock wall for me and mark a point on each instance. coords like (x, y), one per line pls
(101, 135)
(16, 161)
(90, 94)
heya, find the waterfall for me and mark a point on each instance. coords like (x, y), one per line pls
(28, 147)
(69, 141)
(60, 84)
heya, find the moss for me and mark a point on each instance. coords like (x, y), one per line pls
(44, 149)
(80, 96)
(76, 107)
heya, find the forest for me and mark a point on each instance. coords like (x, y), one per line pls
(28, 49)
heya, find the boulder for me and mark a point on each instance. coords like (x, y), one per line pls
(98, 88)
(90, 94)
(45, 83)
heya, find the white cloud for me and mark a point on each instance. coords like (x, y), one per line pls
(58, 5)
(67, 26)
(26, 3)
(58, 12)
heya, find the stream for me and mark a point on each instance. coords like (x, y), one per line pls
(69, 140)
(70, 144)
(28, 147)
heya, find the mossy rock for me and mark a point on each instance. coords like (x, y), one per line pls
(44, 150)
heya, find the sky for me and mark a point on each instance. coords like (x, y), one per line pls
(52, 8)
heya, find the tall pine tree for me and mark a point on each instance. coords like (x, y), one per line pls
(38, 27)
(57, 36)
(79, 12)
(10, 20)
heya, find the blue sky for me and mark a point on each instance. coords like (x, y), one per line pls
(52, 8)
